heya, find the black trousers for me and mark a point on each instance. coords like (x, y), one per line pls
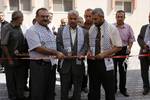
(15, 81)
(1, 57)
(119, 63)
(26, 64)
(43, 78)
(75, 75)
(84, 82)
(99, 76)
(145, 62)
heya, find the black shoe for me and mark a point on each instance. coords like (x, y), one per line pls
(146, 90)
(124, 93)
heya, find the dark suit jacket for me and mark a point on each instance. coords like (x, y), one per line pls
(140, 38)
(2, 25)
(68, 63)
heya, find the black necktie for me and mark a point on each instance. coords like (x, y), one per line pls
(97, 41)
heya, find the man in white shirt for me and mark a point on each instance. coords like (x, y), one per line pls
(42, 44)
(104, 41)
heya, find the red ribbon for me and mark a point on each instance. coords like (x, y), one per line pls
(73, 57)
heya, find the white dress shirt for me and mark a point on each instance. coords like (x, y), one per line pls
(73, 35)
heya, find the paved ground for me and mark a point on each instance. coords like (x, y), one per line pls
(134, 83)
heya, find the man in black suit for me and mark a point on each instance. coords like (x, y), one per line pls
(72, 41)
(144, 42)
(2, 23)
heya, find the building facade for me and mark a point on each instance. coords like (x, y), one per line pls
(136, 10)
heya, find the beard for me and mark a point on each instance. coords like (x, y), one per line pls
(98, 24)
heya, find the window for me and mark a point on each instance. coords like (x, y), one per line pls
(62, 5)
(126, 5)
(24, 5)
(14, 4)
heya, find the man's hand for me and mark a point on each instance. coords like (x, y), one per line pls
(90, 55)
(100, 56)
(60, 55)
(81, 56)
(146, 47)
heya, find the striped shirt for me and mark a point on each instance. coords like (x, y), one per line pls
(39, 36)
(126, 34)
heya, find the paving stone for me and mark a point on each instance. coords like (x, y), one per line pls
(134, 83)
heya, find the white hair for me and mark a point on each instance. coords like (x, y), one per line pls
(73, 12)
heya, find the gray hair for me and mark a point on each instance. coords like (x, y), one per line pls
(17, 14)
(73, 12)
(98, 11)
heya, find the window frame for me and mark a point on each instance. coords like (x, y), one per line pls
(20, 7)
(62, 3)
(133, 5)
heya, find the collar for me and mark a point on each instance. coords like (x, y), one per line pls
(13, 25)
(37, 24)
(122, 26)
(87, 25)
(72, 28)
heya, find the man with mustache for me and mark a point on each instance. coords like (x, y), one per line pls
(104, 41)
(42, 44)
(72, 41)
(127, 37)
(13, 43)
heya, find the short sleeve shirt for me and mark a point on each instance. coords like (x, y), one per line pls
(114, 35)
(13, 38)
(39, 36)
(126, 34)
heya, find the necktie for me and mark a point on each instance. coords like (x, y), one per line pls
(97, 41)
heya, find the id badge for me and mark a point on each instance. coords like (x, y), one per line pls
(109, 64)
(93, 50)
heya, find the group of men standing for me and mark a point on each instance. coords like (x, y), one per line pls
(97, 40)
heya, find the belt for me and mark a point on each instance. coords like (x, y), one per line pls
(123, 51)
(41, 62)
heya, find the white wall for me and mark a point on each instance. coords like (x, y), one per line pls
(80, 6)
(136, 20)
